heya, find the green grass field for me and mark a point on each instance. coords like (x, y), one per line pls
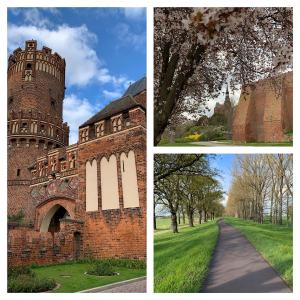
(181, 260)
(71, 277)
(227, 142)
(274, 242)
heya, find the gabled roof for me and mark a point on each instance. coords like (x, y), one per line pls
(113, 108)
(137, 87)
(124, 103)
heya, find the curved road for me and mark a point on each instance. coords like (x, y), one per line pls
(238, 268)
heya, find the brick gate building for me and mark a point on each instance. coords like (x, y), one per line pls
(71, 201)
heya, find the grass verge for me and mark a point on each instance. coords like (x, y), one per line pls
(226, 142)
(181, 260)
(274, 242)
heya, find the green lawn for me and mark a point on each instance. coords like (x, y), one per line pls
(177, 145)
(71, 277)
(181, 260)
(274, 242)
(229, 143)
(163, 224)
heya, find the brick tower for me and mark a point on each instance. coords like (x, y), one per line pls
(36, 86)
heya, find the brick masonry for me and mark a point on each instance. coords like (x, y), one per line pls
(265, 113)
(45, 174)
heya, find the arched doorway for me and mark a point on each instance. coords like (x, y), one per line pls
(51, 221)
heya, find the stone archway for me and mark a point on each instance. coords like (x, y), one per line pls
(51, 221)
(50, 212)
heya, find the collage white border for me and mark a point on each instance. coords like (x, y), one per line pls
(150, 4)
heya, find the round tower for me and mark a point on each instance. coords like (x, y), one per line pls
(36, 87)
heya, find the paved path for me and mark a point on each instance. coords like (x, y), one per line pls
(212, 144)
(238, 268)
(137, 285)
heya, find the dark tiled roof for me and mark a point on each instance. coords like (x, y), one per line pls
(136, 87)
(124, 103)
(113, 108)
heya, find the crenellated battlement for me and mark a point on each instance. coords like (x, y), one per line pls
(30, 61)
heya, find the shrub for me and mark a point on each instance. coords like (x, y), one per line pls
(193, 137)
(17, 218)
(17, 271)
(24, 280)
(214, 133)
(101, 268)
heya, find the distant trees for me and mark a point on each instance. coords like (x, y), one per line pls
(262, 186)
(191, 189)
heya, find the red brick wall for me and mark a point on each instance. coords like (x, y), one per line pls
(264, 114)
(26, 247)
(122, 232)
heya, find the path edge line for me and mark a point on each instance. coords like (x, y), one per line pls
(112, 285)
(212, 258)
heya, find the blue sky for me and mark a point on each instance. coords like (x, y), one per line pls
(224, 163)
(104, 48)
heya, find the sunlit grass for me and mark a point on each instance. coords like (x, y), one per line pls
(181, 260)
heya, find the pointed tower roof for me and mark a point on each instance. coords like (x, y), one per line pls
(227, 99)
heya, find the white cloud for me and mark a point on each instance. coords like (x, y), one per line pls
(112, 94)
(129, 38)
(75, 44)
(76, 112)
(34, 16)
(134, 12)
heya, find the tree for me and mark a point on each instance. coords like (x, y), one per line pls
(262, 185)
(197, 49)
(183, 188)
(166, 165)
(167, 193)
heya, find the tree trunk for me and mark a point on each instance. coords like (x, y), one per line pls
(154, 218)
(179, 217)
(174, 222)
(205, 216)
(172, 83)
(191, 215)
(183, 216)
(200, 216)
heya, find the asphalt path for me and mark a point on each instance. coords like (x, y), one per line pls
(238, 268)
(137, 285)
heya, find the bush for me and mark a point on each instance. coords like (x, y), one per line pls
(101, 268)
(193, 137)
(17, 271)
(24, 280)
(214, 133)
(17, 218)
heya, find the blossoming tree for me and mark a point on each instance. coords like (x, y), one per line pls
(197, 50)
